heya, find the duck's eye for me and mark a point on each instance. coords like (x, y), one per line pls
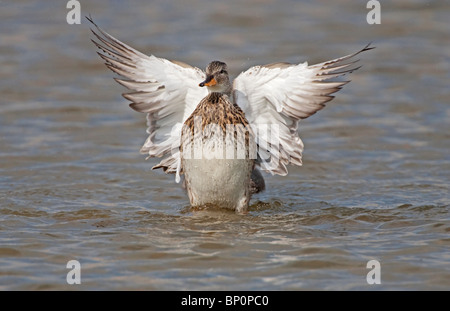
(223, 71)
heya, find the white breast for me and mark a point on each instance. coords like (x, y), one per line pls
(212, 177)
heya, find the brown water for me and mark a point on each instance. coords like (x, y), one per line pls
(375, 180)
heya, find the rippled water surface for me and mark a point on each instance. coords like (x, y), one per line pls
(375, 180)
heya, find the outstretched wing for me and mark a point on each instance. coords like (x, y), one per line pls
(276, 96)
(166, 90)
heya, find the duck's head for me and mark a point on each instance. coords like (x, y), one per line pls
(217, 79)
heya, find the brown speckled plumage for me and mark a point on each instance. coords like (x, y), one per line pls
(217, 108)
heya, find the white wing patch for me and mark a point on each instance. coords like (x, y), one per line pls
(277, 96)
(166, 90)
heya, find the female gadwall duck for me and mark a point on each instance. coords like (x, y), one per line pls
(218, 134)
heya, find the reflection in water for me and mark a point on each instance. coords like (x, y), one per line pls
(374, 184)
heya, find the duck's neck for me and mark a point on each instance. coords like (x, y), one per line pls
(227, 90)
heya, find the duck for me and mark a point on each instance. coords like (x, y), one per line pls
(216, 148)
(217, 134)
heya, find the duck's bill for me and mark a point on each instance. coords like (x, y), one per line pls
(210, 81)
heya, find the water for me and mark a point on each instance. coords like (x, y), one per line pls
(374, 185)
